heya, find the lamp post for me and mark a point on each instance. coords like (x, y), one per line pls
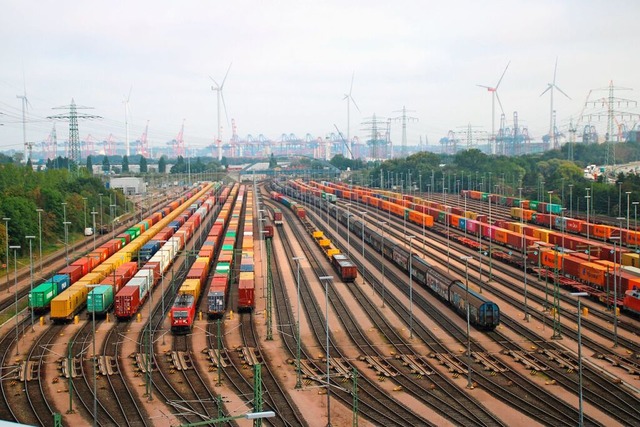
(571, 200)
(348, 205)
(466, 303)
(410, 286)
(6, 229)
(66, 240)
(40, 234)
(615, 288)
(588, 197)
(112, 208)
(363, 213)
(549, 209)
(326, 280)
(580, 409)
(84, 202)
(628, 193)
(95, 379)
(298, 370)
(101, 223)
(635, 222)
(93, 216)
(524, 259)
(382, 224)
(15, 286)
(30, 239)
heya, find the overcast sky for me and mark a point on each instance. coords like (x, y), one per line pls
(293, 62)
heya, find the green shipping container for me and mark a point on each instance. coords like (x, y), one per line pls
(222, 267)
(100, 299)
(42, 295)
(554, 208)
(485, 197)
(441, 217)
(503, 201)
(533, 205)
(227, 247)
(516, 202)
(230, 234)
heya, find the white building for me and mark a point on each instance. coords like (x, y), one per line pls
(129, 185)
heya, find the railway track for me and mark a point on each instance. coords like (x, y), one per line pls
(374, 404)
(619, 406)
(510, 386)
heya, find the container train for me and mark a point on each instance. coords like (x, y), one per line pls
(183, 312)
(67, 291)
(345, 268)
(587, 265)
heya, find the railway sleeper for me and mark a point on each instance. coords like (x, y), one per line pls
(308, 371)
(107, 365)
(250, 356)
(181, 360)
(489, 362)
(417, 364)
(28, 371)
(340, 367)
(214, 356)
(561, 359)
(141, 362)
(75, 367)
(452, 363)
(527, 360)
(631, 367)
(381, 367)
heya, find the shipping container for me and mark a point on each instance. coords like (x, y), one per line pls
(127, 302)
(100, 299)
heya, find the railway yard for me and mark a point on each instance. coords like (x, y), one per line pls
(329, 304)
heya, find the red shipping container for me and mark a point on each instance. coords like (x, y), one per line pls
(125, 236)
(84, 263)
(543, 219)
(74, 272)
(573, 225)
(571, 266)
(500, 223)
(482, 218)
(514, 240)
(246, 290)
(127, 302)
(472, 226)
(155, 267)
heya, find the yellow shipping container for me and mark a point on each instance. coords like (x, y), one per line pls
(92, 278)
(470, 215)
(331, 252)
(65, 305)
(324, 243)
(631, 259)
(317, 234)
(190, 287)
(246, 275)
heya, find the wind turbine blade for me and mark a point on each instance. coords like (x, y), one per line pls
(499, 103)
(217, 85)
(555, 69)
(486, 87)
(503, 73)
(225, 107)
(354, 103)
(225, 76)
(561, 91)
(351, 87)
(129, 96)
(549, 86)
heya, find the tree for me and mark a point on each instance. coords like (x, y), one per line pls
(89, 164)
(125, 163)
(162, 165)
(273, 163)
(105, 164)
(143, 165)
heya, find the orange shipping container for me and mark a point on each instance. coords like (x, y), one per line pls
(551, 259)
(500, 235)
(593, 273)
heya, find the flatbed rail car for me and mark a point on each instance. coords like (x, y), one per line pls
(246, 280)
(68, 303)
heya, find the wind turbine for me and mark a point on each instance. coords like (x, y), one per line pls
(494, 93)
(349, 99)
(218, 88)
(550, 88)
(126, 121)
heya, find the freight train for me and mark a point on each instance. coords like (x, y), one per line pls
(583, 265)
(67, 291)
(346, 269)
(182, 313)
(178, 232)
